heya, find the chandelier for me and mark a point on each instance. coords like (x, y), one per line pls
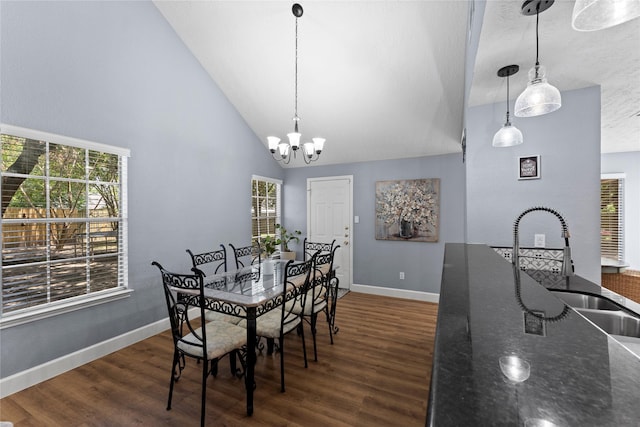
(283, 151)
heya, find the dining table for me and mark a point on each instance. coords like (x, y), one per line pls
(248, 293)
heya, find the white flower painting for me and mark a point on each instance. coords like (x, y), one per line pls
(408, 210)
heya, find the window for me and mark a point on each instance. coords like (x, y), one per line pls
(265, 206)
(64, 222)
(612, 217)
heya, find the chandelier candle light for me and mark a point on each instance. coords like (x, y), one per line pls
(539, 97)
(508, 135)
(281, 151)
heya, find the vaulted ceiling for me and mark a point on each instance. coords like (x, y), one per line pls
(385, 79)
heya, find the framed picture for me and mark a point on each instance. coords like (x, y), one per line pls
(408, 210)
(529, 167)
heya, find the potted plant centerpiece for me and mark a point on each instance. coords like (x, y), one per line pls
(285, 238)
(268, 244)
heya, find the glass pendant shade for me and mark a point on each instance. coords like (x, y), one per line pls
(539, 97)
(283, 149)
(307, 147)
(592, 15)
(273, 143)
(294, 139)
(318, 144)
(507, 136)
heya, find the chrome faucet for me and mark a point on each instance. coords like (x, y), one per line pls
(567, 267)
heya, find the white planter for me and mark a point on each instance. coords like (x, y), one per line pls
(267, 267)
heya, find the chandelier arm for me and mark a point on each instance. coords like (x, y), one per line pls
(279, 158)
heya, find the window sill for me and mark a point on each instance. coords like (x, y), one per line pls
(61, 307)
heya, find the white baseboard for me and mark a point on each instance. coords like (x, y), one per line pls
(396, 293)
(37, 374)
(22, 380)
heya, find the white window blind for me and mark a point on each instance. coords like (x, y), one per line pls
(265, 206)
(64, 220)
(612, 217)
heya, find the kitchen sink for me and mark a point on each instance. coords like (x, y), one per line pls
(577, 300)
(613, 322)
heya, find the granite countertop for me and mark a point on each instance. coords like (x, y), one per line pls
(579, 376)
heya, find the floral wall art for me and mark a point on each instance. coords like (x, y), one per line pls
(408, 210)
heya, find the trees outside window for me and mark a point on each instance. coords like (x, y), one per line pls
(63, 219)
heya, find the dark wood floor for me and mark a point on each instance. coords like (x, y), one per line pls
(376, 374)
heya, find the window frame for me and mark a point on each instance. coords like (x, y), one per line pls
(76, 302)
(620, 207)
(278, 215)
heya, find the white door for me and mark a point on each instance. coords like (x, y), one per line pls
(329, 213)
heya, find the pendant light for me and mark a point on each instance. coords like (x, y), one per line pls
(508, 135)
(539, 97)
(592, 15)
(282, 151)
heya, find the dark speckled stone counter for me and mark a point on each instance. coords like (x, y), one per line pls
(579, 376)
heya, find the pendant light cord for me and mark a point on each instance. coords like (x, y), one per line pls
(537, 20)
(295, 118)
(507, 99)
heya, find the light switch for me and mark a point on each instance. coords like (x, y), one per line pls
(356, 219)
(539, 240)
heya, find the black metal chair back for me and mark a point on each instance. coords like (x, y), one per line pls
(322, 295)
(297, 282)
(247, 255)
(310, 248)
(213, 262)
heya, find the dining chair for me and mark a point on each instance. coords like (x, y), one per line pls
(193, 336)
(276, 323)
(247, 255)
(211, 263)
(310, 248)
(321, 295)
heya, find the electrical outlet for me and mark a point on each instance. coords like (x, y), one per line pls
(402, 275)
(539, 240)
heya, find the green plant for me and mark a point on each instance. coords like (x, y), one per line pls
(286, 237)
(271, 242)
(268, 242)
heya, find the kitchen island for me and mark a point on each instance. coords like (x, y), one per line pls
(571, 373)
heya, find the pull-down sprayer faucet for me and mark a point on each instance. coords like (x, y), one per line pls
(567, 268)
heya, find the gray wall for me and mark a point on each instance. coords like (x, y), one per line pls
(378, 262)
(568, 141)
(628, 163)
(116, 73)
